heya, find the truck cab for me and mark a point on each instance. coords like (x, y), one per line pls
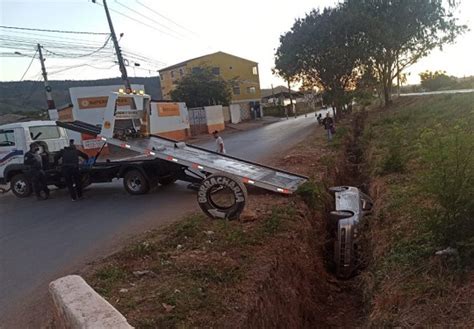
(15, 140)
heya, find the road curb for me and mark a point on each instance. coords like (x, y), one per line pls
(78, 306)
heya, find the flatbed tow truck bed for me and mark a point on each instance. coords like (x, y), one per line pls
(198, 159)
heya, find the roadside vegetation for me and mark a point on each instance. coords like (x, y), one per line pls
(266, 270)
(191, 273)
(420, 156)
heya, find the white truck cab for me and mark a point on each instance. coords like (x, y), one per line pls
(15, 140)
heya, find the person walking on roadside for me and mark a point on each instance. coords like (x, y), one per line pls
(328, 123)
(70, 168)
(219, 142)
(35, 172)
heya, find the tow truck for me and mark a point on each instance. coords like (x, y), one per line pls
(219, 178)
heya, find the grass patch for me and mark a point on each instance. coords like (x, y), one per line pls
(313, 194)
(108, 277)
(426, 207)
(188, 268)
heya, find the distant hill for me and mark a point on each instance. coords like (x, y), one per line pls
(29, 96)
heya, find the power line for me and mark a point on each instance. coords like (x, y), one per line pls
(56, 37)
(139, 22)
(29, 65)
(168, 19)
(54, 31)
(151, 19)
(82, 55)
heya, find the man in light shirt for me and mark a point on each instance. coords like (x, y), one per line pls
(219, 142)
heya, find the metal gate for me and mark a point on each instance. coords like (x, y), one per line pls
(197, 121)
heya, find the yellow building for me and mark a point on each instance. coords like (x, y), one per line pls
(246, 87)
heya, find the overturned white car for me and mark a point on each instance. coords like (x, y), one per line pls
(351, 205)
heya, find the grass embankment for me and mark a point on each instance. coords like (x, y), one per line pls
(420, 155)
(266, 270)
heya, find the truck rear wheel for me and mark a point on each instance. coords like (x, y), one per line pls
(222, 196)
(21, 186)
(135, 182)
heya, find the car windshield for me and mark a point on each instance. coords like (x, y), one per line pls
(44, 132)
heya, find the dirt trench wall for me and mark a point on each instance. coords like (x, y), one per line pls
(286, 297)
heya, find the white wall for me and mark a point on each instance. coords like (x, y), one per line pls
(159, 124)
(214, 114)
(235, 113)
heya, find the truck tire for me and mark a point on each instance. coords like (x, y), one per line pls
(222, 196)
(135, 182)
(21, 186)
(167, 180)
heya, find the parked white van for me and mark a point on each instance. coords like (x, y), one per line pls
(15, 140)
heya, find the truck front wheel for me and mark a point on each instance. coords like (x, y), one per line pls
(20, 185)
(135, 182)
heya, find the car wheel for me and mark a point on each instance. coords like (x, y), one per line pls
(335, 189)
(21, 186)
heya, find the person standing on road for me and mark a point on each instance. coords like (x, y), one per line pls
(328, 123)
(70, 168)
(35, 172)
(219, 142)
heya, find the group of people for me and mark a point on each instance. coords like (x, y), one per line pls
(69, 170)
(328, 124)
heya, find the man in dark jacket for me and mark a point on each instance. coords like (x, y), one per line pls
(35, 172)
(328, 123)
(70, 168)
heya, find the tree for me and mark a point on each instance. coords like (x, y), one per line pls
(201, 87)
(400, 32)
(437, 80)
(325, 51)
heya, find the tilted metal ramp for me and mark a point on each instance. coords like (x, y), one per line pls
(200, 159)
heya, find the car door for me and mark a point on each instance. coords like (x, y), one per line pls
(10, 149)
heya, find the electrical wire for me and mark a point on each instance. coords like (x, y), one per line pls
(29, 65)
(55, 31)
(168, 19)
(82, 55)
(58, 38)
(150, 19)
(139, 22)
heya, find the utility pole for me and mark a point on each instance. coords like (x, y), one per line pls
(123, 69)
(52, 112)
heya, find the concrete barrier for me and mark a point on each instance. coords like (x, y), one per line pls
(78, 306)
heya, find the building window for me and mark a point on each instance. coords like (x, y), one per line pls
(180, 72)
(230, 67)
(172, 74)
(161, 77)
(216, 71)
(254, 70)
(236, 90)
(7, 138)
(251, 90)
(196, 70)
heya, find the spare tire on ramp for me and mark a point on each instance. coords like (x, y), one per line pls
(222, 196)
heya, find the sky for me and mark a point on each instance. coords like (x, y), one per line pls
(185, 29)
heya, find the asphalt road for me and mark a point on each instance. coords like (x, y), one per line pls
(43, 240)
